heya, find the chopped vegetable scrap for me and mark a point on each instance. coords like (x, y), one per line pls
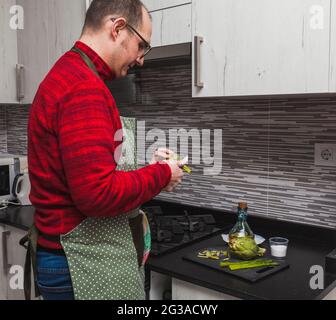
(214, 254)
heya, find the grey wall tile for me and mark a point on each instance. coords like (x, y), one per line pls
(3, 129)
(268, 147)
(17, 121)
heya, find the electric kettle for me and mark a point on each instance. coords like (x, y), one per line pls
(21, 189)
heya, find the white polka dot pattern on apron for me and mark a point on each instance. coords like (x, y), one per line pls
(101, 254)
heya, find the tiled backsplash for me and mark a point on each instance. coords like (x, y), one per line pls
(17, 120)
(13, 129)
(268, 146)
(3, 130)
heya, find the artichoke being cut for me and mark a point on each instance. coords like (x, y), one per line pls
(185, 168)
(245, 248)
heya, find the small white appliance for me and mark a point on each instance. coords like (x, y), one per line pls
(21, 189)
(9, 168)
(14, 180)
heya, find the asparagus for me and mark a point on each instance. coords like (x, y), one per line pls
(248, 264)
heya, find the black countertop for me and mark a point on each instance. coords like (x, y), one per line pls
(18, 216)
(308, 247)
(289, 284)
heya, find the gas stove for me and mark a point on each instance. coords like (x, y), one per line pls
(170, 232)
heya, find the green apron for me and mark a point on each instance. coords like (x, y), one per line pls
(106, 255)
(102, 257)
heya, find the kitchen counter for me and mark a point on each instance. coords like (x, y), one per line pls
(308, 247)
(289, 284)
(20, 217)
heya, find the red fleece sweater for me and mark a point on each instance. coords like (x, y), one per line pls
(71, 147)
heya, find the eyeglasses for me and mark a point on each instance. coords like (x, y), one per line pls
(144, 46)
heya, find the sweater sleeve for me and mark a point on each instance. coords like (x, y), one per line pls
(86, 131)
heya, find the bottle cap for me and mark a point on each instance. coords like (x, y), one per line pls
(242, 205)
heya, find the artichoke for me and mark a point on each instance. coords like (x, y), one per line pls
(245, 248)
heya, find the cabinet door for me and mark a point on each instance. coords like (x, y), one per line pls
(171, 26)
(51, 28)
(3, 274)
(8, 54)
(16, 255)
(66, 20)
(153, 5)
(260, 47)
(182, 290)
(160, 286)
(332, 74)
(33, 45)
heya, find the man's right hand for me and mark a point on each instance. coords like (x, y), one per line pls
(177, 174)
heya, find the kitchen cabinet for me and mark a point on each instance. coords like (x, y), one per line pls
(331, 295)
(33, 46)
(66, 20)
(160, 286)
(3, 283)
(261, 47)
(171, 26)
(8, 54)
(12, 258)
(154, 5)
(182, 290)
(51, 28)
(332, 77)
(16, 255)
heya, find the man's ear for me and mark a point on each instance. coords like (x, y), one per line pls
(118, 25)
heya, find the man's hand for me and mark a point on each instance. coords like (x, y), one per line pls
(165, 155)
(177, 174)
(161, 154)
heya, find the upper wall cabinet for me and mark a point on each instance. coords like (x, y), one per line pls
(33, 51)
(171, 26)
(50, 29)
(261, 47)
(332, 76)
(3, 278)
(8, 54)
(153, 5)
(66, 20)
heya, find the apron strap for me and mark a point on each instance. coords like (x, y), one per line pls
(24, 242)
(30, 243)
(136, 227)
(86, 59)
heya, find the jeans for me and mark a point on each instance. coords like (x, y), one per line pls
(53, 276)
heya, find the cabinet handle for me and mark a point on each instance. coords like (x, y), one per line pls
(197, 43)
(6, 266)
(20, 81)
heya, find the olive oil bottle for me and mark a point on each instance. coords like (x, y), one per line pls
(241, 229)
(241, 238)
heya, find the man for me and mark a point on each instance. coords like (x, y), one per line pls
(82, 202)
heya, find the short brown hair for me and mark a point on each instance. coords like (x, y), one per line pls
(131, 10)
